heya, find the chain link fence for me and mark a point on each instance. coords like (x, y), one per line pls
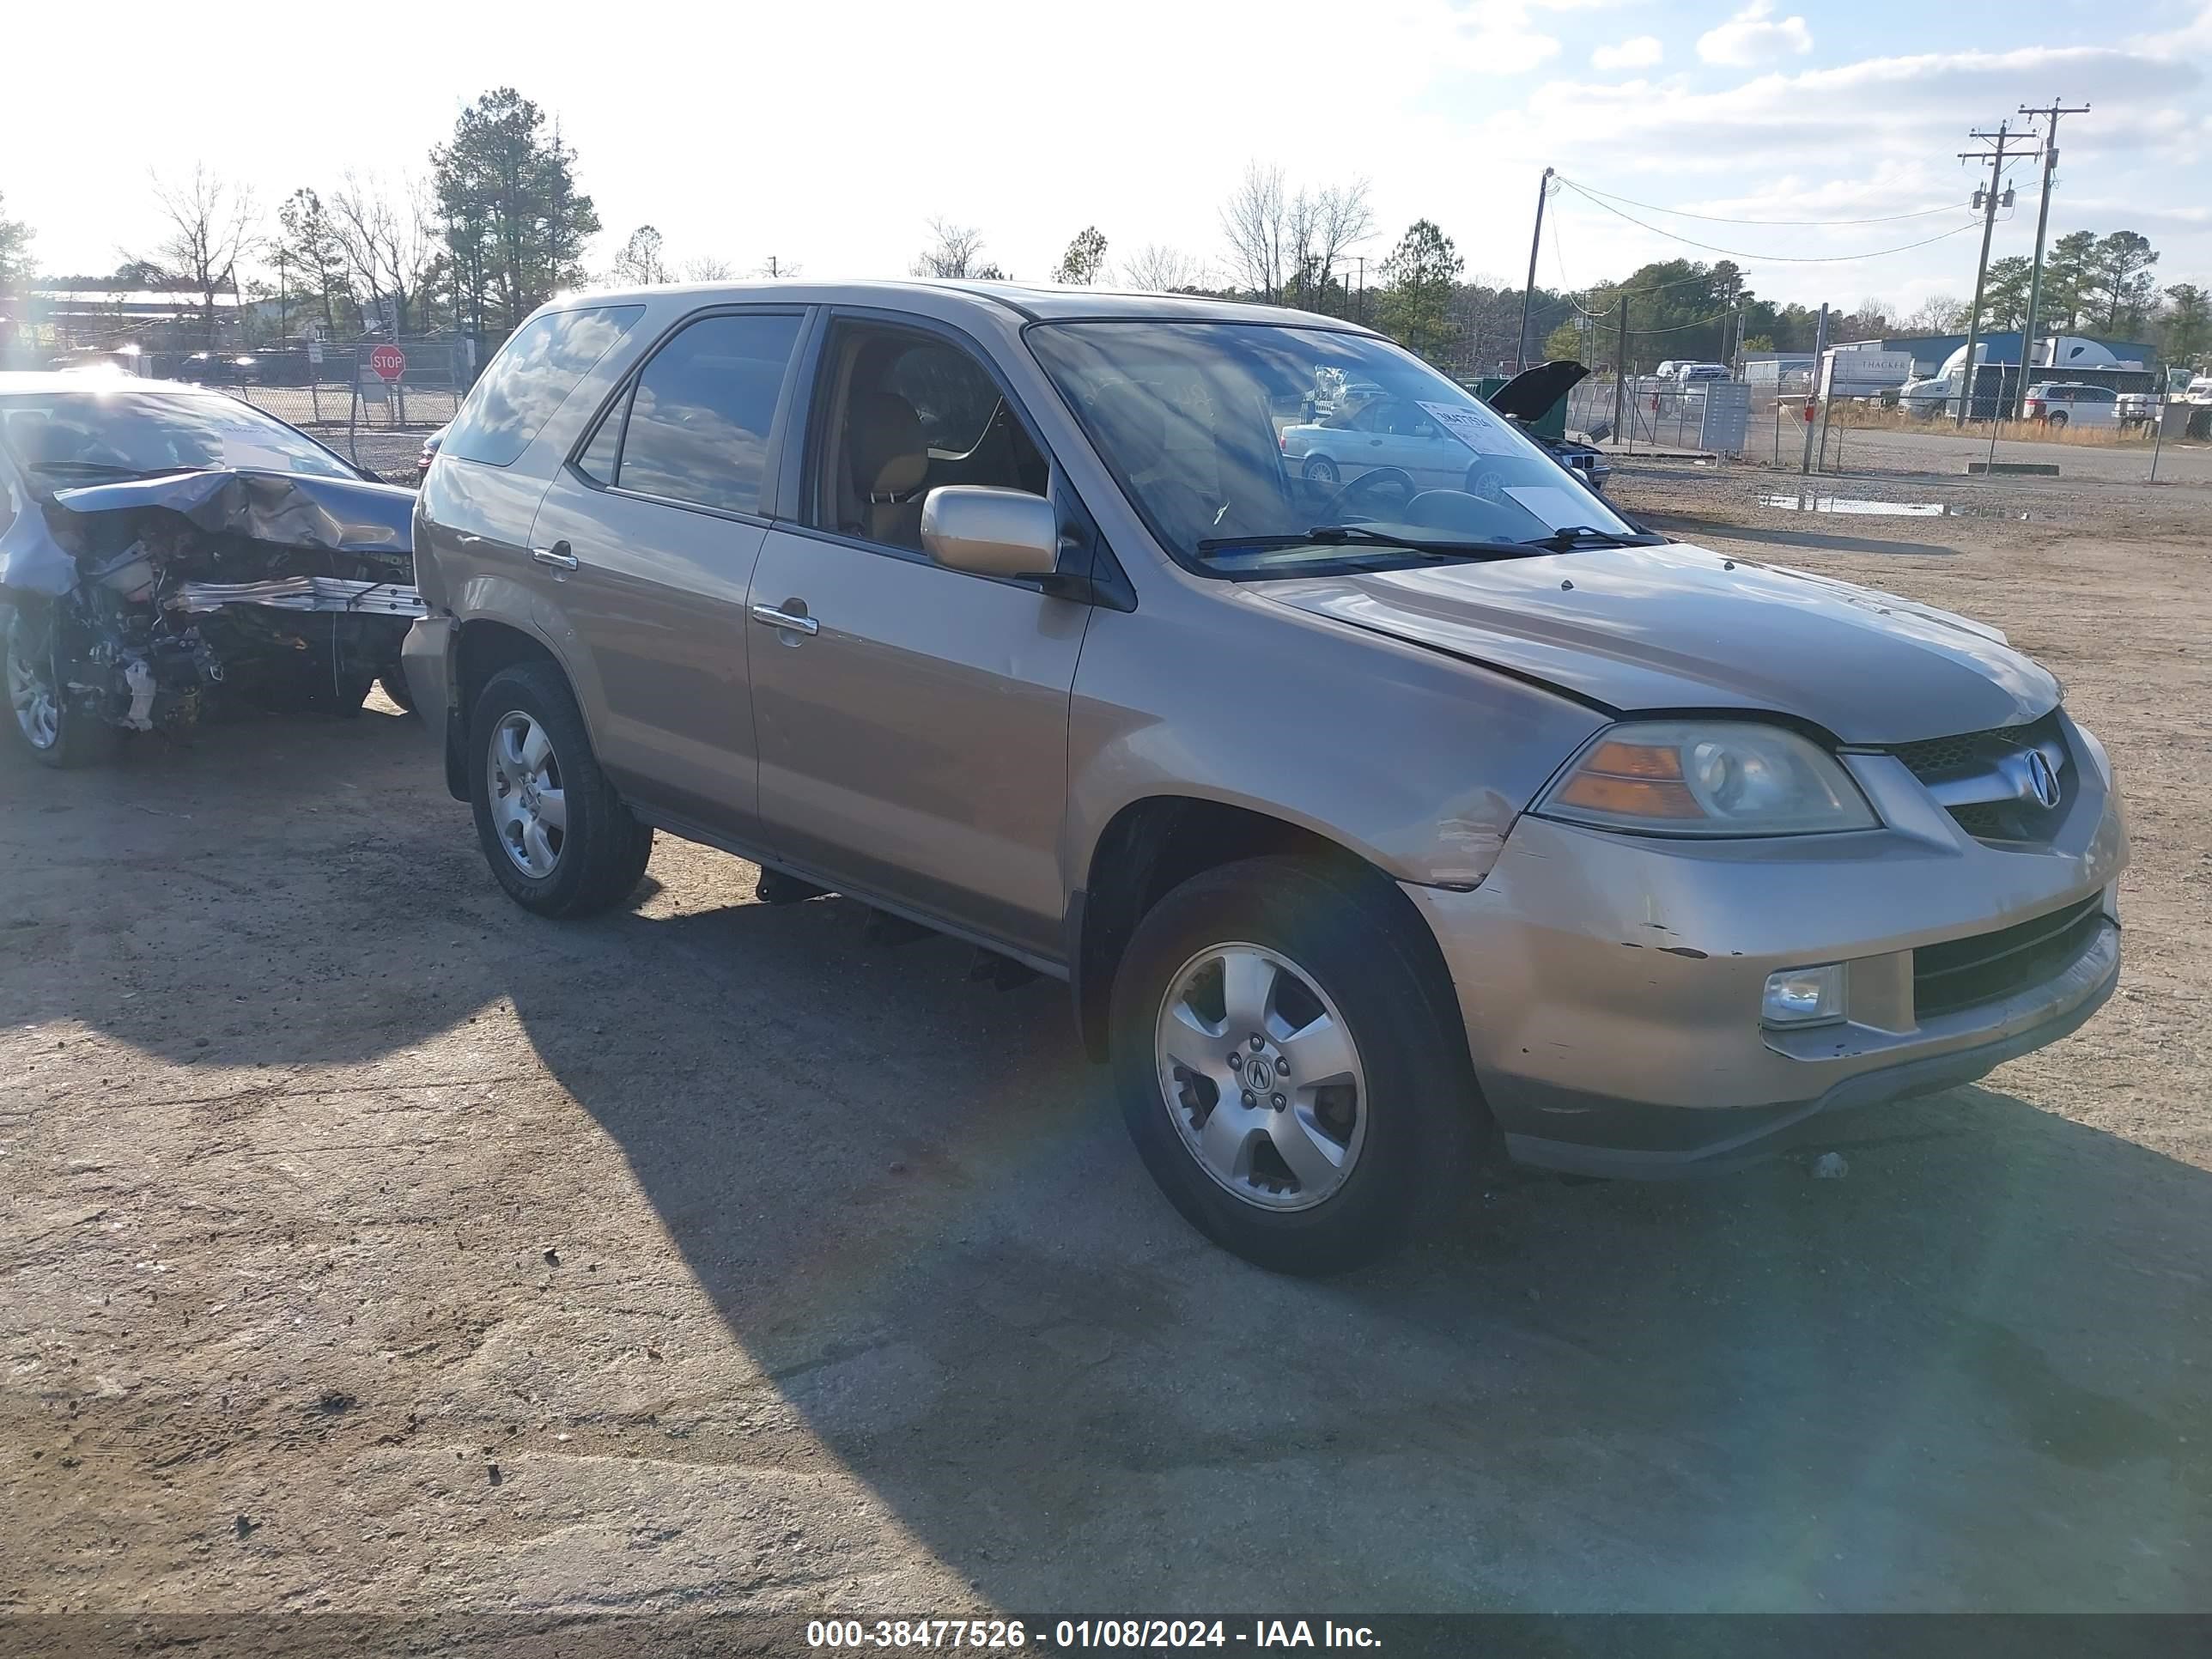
(1663, 421)
(334, 387)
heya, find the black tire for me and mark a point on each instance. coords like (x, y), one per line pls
(604, 849)
(2055, 418)
(78, 740)
(1320, 470)
(1423, 1123)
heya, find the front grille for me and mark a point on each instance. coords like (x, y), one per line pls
(1965, 973)
(1975, 755)
(1937, 758)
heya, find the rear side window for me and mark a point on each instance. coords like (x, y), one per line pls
(699, 418)
(532, 378)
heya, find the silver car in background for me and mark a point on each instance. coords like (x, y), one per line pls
(1378, 822)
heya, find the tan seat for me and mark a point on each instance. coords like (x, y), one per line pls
(888, 460)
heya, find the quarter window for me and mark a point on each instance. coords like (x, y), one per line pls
(532, 378)
(699, 418)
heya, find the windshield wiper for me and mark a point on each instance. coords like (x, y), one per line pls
(1354, 535)
(1569, 538)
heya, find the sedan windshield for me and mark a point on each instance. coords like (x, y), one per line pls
(92, 436)
(1255, 449)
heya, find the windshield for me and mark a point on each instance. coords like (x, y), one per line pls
(94, 434)
(1239, 441)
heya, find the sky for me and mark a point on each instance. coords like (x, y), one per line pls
(827, 135)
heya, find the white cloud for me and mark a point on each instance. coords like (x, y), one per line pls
(1752, 36)
(1639, 52)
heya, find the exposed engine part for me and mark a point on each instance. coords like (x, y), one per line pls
(140, 679)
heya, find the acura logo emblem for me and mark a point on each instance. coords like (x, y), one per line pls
(2042, 781)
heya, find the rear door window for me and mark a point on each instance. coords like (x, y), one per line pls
(700, 415)
(532, 378)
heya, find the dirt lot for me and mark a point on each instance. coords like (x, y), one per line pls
(371, 1245)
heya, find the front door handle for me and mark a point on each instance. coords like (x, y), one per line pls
(778, 619)
(557, 556)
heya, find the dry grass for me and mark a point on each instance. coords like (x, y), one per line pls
(1872, 418)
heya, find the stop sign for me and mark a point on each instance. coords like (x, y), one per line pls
(389, 362)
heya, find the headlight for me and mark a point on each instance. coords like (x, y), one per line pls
(1706, 778)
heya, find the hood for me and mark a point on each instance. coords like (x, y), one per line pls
(292, 509)
(1530, 395)
(1677, 628)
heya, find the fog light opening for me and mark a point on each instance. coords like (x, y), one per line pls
(1803, 996)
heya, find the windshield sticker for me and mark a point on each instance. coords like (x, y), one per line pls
(1555, 507)
(1477, 428)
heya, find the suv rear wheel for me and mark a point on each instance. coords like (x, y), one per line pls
(2057, 417)
(557, 835)
(1287, 1068)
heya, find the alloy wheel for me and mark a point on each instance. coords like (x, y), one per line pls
(1261, 1074)
(31, 694)
(529, 806)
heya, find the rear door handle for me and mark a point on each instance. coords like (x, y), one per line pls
(777, 618)
(557, 556)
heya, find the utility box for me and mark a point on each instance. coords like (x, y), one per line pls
(1725, 428)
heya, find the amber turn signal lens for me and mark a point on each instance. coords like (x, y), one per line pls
(1634, 759)
(1631, 796)
(1632, 778)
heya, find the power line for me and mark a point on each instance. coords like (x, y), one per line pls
(1678, 328)
(1723, 219)
(1769, 258)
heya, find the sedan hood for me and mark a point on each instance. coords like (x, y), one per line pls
(1676, 628)
(1530, 395)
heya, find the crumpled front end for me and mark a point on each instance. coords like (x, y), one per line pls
(152, 598)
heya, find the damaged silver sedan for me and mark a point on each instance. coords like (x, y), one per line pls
(164, 548)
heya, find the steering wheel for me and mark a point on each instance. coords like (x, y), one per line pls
(1381, 477)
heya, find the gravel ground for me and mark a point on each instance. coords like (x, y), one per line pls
(371, 1245)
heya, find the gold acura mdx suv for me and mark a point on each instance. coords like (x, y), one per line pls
(1380, 817)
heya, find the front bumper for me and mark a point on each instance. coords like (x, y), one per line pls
(1611, 984)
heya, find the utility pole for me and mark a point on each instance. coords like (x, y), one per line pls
(1820, 353)
(1528, 294)
(1620, 369)
(1996, 157)
(2051, 112)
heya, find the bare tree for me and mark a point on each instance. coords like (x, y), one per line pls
(387, 242)
(957, 251)
(210, 229)
(642, 259)
(1162, 269)
(1252, 219)
(705, 268)
(1939, 313)
(1336, 219)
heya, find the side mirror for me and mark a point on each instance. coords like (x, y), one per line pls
(990, 532)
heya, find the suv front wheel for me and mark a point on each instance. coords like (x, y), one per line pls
(1288, 1069)
(557, 835)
